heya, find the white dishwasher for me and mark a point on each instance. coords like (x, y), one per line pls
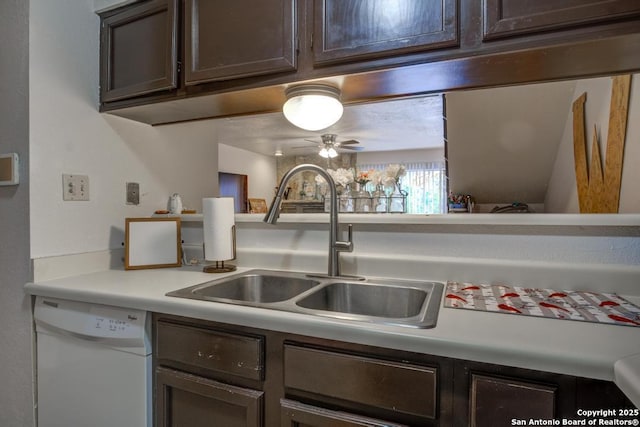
(93, 365)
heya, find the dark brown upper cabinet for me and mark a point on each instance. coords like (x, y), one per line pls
(232, 39)
(138, 50)
(350, 30)
(506, 18)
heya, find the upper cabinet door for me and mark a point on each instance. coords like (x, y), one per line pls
(138, 50)
(351, 30)
(240, 38)
(505, 18)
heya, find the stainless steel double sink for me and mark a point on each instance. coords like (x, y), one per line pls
(380, 301)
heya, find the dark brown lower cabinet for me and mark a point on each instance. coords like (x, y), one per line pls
(296, 414)
(187, 400)
(380, 387)
(214, 374)
(497, 401)
(488, 395)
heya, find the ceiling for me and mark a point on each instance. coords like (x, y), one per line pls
(410, 123)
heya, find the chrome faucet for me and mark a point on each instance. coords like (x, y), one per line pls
(335, 246)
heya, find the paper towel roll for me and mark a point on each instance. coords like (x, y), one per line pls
(218, 220)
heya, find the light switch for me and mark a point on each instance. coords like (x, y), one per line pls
(75, 187)
(133, 193)
(9, 171)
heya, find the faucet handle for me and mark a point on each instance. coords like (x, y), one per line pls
(348, 245)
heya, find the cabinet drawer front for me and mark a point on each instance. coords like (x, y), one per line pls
(352, 30)
(185, 399)
(506, 18)
(497, 401)
(296, 414)
(138, 51)
(404, 388)
(217, 351)
(226, 40)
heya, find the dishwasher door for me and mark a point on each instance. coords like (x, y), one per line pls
(93, 365)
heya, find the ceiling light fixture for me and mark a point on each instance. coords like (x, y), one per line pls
(313, 106)
(329, 153)
(278, 153)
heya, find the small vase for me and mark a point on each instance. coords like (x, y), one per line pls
(363, 199)
(379, 203)
(398, 200)
(346, 200)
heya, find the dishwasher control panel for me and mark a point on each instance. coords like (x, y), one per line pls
(123, 326)
(115, 322)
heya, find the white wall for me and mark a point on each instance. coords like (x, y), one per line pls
(68, 135)
(261, 170)
(562, 195)
(16, 398)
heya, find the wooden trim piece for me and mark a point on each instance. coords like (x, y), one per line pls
(580, 153)
(596, 180)
(598, 191)
(618, 114)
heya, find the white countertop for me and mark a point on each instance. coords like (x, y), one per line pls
(561, 346)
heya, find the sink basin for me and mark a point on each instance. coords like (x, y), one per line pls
(256, 286)
(406, 304)
(367, 300)
(393, 302)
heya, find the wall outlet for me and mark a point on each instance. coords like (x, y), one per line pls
(75, 187)
(133, 193)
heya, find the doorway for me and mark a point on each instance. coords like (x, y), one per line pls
(236, 186)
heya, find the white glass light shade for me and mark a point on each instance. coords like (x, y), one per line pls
(313, 107)
(328, 152)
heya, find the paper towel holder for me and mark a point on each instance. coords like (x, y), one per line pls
(219, 265)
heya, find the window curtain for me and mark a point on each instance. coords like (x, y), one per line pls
(424, 182)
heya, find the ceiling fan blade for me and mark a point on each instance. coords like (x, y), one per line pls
(350, 141)
(352, 148)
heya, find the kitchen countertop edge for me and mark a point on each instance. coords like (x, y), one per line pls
(571, 347)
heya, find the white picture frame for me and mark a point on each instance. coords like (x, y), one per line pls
(152, 243)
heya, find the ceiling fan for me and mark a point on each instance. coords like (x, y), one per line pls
(329, 146)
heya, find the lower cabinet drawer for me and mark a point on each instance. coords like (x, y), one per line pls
(498, 401)
(189, 400)
(233, 354)
(381, 384)
(296, 414)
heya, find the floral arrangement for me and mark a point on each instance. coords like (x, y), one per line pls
(393, 173)
(342, 176)
(363, 177)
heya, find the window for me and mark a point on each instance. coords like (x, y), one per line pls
(424, 182)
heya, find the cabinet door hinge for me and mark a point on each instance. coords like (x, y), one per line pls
(179, 69)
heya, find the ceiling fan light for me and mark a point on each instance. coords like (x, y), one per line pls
(325, 153)
(332, 152)
(313, 107)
